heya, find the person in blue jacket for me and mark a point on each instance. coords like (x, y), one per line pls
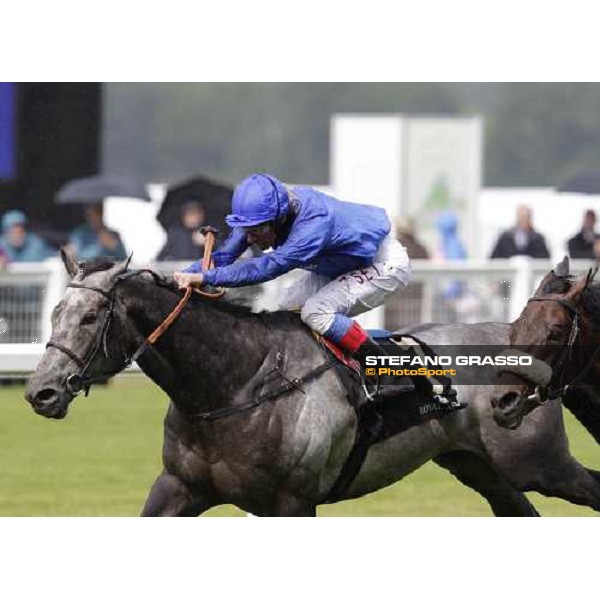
(93, 239)
(352, 261)
(18, 244)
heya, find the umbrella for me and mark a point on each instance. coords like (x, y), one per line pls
(214, 196)
(92, 190)
(584, 182)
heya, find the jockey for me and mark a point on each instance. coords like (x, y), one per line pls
(352, 261)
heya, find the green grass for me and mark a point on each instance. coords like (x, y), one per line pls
(103, 458)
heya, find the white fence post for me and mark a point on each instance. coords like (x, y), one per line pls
(521, 285)
(55, 287)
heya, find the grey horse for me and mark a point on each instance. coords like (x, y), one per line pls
(280, 458)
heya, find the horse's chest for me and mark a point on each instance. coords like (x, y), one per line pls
(226, 457)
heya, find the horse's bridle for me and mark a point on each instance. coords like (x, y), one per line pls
(544, 393)
(77, 382)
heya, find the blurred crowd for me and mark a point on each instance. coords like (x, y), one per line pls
(92, 238)
(521, 239)
(451, 299)
(448, 299)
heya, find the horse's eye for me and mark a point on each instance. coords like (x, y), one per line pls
(88, 318)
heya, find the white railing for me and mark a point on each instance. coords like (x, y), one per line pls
(487, 290)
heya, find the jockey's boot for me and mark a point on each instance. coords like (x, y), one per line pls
(389, 385)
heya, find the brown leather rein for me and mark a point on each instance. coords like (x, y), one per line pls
(207, 262)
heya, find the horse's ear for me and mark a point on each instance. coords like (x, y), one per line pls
(69, 261)
(562, 268)
(592, 274)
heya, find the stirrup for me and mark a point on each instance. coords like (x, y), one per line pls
(391, 391)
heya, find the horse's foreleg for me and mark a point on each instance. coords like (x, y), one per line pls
(291, 506)
(477, 473)
(584, 403)
(171, 497)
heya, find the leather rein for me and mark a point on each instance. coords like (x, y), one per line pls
(78, 382)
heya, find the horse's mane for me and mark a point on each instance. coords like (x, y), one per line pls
(96, 265)
(590, 299)
(591, 302)
(558, 285)
(280, 317)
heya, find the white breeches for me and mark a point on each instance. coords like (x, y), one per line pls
(353, 293)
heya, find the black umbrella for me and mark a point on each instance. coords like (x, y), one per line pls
(92, 190)
(215, 198)
(584, 182)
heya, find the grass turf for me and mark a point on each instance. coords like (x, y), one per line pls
(102, 459)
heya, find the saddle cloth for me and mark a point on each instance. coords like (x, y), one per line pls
(403, 342)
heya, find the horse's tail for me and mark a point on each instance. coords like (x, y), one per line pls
(585, 406)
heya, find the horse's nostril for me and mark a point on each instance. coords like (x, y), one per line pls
(507, 400)
(45, 394)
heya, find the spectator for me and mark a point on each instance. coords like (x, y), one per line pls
(94, 239)
(581, 245)
(405, 233)
(19, 245)
(522, 239)
(3, 259)
(184, 241)
(451, 248)
(405, 309)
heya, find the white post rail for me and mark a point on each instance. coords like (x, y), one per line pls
(521, 274)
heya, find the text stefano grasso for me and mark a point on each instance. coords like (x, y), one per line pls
(445, 361)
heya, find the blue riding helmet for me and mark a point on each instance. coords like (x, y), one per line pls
(258, 199)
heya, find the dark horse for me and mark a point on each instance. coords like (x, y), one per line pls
(283, 456)
(560, 325)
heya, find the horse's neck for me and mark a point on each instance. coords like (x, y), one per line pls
(206, 355)
(588, 352)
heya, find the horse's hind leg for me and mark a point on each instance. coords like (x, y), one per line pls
(477, 473)
(170, 497)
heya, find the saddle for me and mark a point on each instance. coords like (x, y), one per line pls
(380, 418)
(397, 345)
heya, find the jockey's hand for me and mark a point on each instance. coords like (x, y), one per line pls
(183, 280)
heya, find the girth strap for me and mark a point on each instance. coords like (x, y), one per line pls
(288, 386)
